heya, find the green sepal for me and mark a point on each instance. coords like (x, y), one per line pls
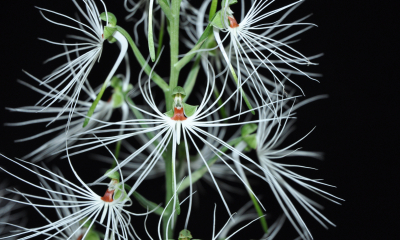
(249, 129)
(118, 193)
(114, 175)
(118, 96)
(231, 2)
(170, 113)
(180, 90)
(189, 110)
(185, 235)
(251, 140)
(108, 34)
(217, 21)
(115, 82)
(118, 99)
(112, 20)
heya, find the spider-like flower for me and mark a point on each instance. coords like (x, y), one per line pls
(85, 206)
(103, 112)
(252, 45)
(72, 75)
(183, 123)
(280, 175)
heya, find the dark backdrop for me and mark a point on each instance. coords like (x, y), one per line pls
(355, 127)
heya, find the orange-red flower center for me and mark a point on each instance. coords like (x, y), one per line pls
(233, 23)
(179, 115)
(80, 237)
(108, 196)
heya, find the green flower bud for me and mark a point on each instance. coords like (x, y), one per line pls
(118, 99)
(116, 82)
(179, 90)
(185, 235)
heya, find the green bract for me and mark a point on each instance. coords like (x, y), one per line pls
(217, 21)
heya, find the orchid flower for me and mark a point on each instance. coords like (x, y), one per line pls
(102, 112)
(249, 49)
(185, 123)
(85, 206)
(281, 177)
(71, 76)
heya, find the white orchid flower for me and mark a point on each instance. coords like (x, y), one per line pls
(71, 76)
(85, 206)
(103, 112)
(183, 123)
(251, 46)
(280, 175)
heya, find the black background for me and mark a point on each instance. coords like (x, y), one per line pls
(356, 126)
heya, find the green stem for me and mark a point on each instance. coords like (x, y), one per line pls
(116, 154)
(222, 109)
(169, 191)
(174, 44)
(173, 82)
(94, 104)
(143, 63)
(259, 212)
